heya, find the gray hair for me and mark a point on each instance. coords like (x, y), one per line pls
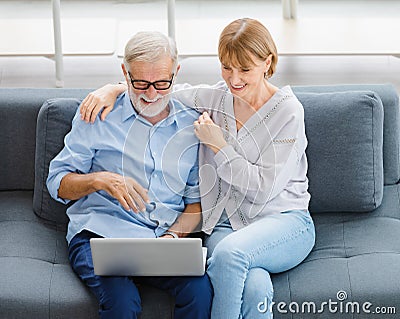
(150, 46)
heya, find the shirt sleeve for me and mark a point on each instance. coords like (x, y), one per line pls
(192, 191)
(261, 181)
(75, 157)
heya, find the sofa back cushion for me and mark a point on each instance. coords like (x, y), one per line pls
(18, 113)
(19, 108)
(345, 140)
(391, 121)
(53, 123)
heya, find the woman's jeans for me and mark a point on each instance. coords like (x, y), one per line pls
(119, 297)
(241, 262)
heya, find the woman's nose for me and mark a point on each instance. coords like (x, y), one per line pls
(235, 77)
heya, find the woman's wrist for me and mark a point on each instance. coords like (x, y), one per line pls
(119, 88)
(217, 148)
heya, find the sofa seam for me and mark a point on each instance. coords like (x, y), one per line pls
(349, 279)
(373, 151)
(37, 259)
(349, 257)
(397, 105)
(289, 289)
(45, 223)
(55, 252)
(44, 159)
(398, 195)
(51, 281)
(344, 240)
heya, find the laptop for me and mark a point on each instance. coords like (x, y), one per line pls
(148, 256)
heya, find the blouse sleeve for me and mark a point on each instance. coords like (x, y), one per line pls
(202, 98)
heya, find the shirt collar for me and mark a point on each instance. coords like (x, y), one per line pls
(127, 108)
(128, 111)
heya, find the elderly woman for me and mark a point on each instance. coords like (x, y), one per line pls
(254, 184)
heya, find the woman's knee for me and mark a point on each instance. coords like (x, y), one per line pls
(227, 253)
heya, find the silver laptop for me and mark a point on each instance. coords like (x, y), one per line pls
(148, 256)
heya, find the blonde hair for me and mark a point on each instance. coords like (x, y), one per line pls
(245, 37)
(150, 46)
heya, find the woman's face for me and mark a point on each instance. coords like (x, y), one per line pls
(246, 81)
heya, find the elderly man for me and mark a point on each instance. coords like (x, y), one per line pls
(134, 175)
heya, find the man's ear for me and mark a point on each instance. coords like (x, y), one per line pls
(177, 70)
(124, 71)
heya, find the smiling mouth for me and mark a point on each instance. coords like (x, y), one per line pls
(148, 101)
(238, 87)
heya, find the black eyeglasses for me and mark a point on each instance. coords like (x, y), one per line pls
(158, 85)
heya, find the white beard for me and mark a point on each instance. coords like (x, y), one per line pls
(156, 106)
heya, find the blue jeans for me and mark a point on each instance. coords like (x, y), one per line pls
(241, 262)
(119, 297)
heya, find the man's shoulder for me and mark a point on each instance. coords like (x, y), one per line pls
(183, 112)
(117, 113)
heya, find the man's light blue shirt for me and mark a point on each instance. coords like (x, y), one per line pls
(163, 158)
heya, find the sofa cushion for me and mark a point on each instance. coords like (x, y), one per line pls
(18, 125)
(345, 135)
(18, 111)
(353, 253)
(391, 118)
(53, 123)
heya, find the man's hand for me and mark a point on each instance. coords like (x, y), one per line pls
(101, 99)
(126, 190)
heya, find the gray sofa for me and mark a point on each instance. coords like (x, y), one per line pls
(354, 170)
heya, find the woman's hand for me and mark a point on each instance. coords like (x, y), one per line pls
(209, 133)
(101, 100)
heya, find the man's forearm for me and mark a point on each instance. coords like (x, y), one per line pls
(74, 186)
(130, 194)
(189, 221)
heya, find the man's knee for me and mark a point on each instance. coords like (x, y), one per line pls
(119, 297)
(198, 291)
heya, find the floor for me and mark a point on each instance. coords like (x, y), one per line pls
(93, 70)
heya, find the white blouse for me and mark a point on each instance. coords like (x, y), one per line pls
(263, 169)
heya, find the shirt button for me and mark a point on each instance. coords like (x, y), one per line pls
(155, 153)
(155, 175)
(153, 215)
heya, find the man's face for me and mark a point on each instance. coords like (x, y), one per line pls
(150, 100)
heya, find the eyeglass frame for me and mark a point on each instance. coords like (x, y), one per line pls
(151, 83)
